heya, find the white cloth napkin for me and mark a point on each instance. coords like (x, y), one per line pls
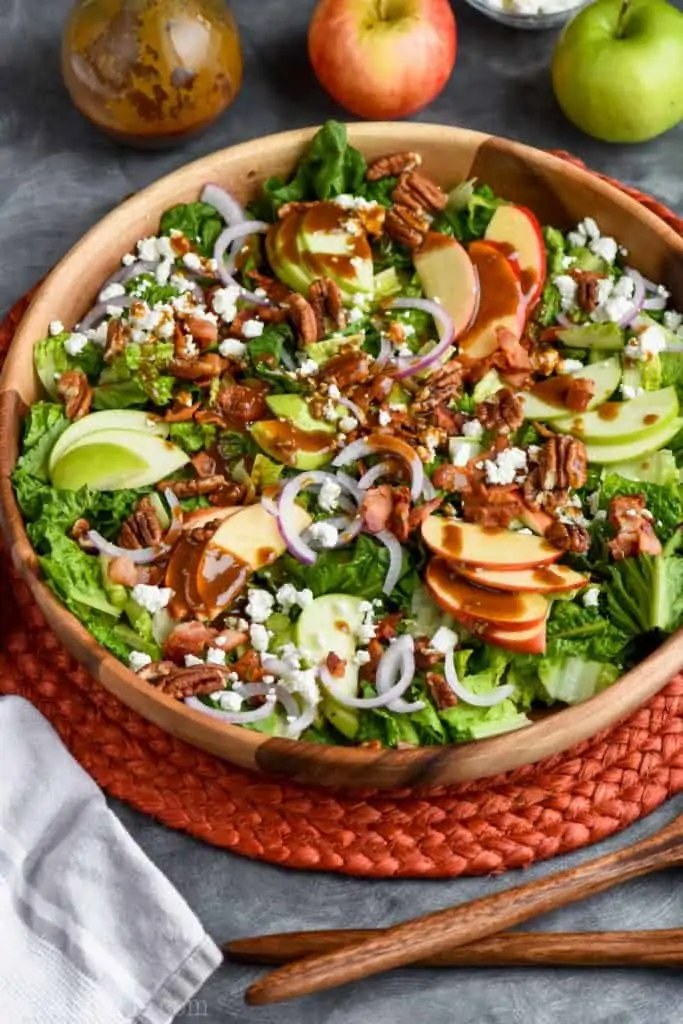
(91, 932)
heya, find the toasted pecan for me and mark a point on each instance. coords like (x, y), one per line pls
(406, 226)
(75, 391)
(324, 296)
(303, 318)
(191, 682)
(570, 537)
(205, 366)
(193, 488)
(419, 192)
(142, 528)
(392, 166)
(117, 333)
(502, 412)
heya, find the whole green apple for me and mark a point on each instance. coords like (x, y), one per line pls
(617, 69)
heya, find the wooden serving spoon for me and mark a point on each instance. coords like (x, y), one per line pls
(661, 948)
(434, 934)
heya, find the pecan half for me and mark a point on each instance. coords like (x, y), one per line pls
(442, 386)
(568, 537)
(79, 533)
(76, 393)
(193, 488)
(190, 682)
(116, 340)
(419, 193)
(562, 463)
(392, 166)
(228, 495)
(325, 298)
(586, 289)
(209, 366)
(142, 528)
(440, 691)
(303, 318)
(406, 225)
(502, 412)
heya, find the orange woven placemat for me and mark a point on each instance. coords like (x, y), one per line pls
(510, 821)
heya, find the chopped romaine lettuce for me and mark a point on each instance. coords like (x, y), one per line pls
(645, 593)
(469, 210)
(199, 222)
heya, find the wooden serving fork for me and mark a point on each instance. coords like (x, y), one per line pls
(446, 930)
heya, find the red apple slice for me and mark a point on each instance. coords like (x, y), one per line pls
(551, 579)
(477, 608)
(446, 274)
(536, 519)
(204, 516)
(486, 547)
(521, 641)
(517, 231)
(501, 302)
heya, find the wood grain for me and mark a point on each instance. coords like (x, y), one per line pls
(436, 933)
(560, 192)
(661, 948)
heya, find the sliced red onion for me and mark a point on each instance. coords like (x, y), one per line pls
(99, 311)
(564, 321)
(141, 556)
(382, 700)
(126, 274)
(274, 666)
(399, 658)
(395, 550)
(445, 329)
(295, 726)
(352, 407)
(428, 491)
(349, 528)
(384, 354)
(638, 296)
(349, 484)
(657, 302)
(294, 541)
(269, 504)
(233, 717)
(235, 233)
(176, 527)
(650, 286)
(373, 474)
(225, 203)
(385, 442)
(479, 700)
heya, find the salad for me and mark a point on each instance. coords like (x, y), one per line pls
(368, 462)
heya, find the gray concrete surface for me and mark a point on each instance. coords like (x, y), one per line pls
(57, 177)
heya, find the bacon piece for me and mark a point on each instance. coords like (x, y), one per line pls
(635, 532)
(376, 508)
(188, 638)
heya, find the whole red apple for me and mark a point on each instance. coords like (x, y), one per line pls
(383, 59)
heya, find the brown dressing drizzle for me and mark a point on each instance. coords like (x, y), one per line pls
(553, 390)
(650, 419)
(181, 577)
(609, 410)
(285, 440)
(495, 606)
(548, 577)
(220, 577)
(499, 290)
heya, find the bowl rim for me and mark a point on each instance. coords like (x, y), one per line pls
(469, 759)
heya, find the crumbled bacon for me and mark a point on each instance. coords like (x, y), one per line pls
(376, 507)
(440, 691)
(635, 534)
(188, 638)
(336, 666)
(204, 464)
(579, 393)
(386, 629)
(242, 404)
(492, 505)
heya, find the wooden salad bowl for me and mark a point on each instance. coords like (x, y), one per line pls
(560, 194)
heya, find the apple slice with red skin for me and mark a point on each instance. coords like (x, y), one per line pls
(447, 274)
(501, 302)
(517, 231)
(479, 609)
(536, 519)
(522, 641)
(486, 547)
(546, 579)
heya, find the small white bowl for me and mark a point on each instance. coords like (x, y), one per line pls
(532, 21)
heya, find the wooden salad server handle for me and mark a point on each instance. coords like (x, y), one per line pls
(447, 929)
(660, 948)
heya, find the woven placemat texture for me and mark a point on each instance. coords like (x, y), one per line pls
(536, 812)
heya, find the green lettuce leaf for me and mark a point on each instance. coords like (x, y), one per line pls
(331, 167)
(146, 286)
(192, 437)
(469, 210)
(43, 425)
(548, 308)
(465, 722)
(124, 394)
(573, 680)
(646, 593)
(199, 222)
(556, 249)
(52, 360)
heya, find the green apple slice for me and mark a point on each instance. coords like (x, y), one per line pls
(619, 422)
(637, 448)
(109, 419)
(296, 409)
(606, 375)
(284, 442)
(111, 460)
(329, 624)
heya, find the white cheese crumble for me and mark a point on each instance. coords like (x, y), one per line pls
(347, 424)
(252, 329)
(231, 348)
(215, 656)
(259, 605)
(303, 682)
(228, 700)
(606, 248)
(75, 344)
(151, 598)
(672, 320)
(192, 261)
(355, 314)
(56, 327)
(138, 660)
(361, 657)
(333, 391)
(289, 597)
(98, 335)
(191, 661)
(570, 365)
(444, 640)
(260, 637)
(506, 466)
(628, 391)
(646, 344)
(112, 291)
(329, 494)
(129, 259)
(224, 302)
(567, 287)
(461, 451)
(591, 597)
(308, 368)
(473, 429)
(349, 202)
(324, 534)
(384, 418)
